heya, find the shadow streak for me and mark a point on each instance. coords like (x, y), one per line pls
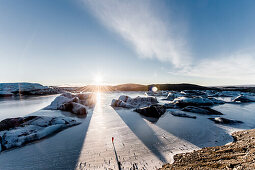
(144, 132)
(60, 151)
(200, 132)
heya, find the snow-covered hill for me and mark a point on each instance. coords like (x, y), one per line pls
(11, 89)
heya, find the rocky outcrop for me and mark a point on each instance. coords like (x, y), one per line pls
(178, 114)
(152, 111)
(201, 110)
(18, 131)
(222, 120)
(238, 155)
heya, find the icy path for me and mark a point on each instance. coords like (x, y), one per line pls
(140, 144)
(144, 147)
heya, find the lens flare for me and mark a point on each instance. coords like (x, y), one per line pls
(154, 89)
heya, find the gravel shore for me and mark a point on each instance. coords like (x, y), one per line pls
(239, 154)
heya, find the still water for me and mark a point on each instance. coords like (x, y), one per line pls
(21, 106)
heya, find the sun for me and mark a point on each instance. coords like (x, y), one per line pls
(98, 79)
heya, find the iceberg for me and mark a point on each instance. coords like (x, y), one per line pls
(244, 99)
(222, 120)
(128, 102)
(74, 103)
(18, 131)
(201, 110)
(196, 101)
(152, 111)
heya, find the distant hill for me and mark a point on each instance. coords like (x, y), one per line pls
(130, 87)
(140, 87)
(178, 87)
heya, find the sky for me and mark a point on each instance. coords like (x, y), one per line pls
(76, 42)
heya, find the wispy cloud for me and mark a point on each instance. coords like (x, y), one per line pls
(237, 66)
(139, 24)
(154, 37)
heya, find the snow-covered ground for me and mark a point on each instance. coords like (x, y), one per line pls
(139, 141)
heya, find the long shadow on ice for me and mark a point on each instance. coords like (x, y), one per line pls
(60, 151)
(201, 131)
(144, 132)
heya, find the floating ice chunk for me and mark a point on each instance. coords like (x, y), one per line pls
(31, 128)
(244, 98)
(152, 111)
(222, 120)
(196, 101)
(72, 103)
(60, 100)
(120, 103)
(157, 93)
(173, 95)
(183, 115)
(201, 110)
(128, 102)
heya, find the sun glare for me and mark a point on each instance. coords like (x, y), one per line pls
(98, 79)
(98, 97)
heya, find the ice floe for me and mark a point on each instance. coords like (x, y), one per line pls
(152, 111)
(222, 120)
(74, 103)
(137, 102)
(178, 114)
(201, 110)
(196, 101)
(244, 99)
(16, 132)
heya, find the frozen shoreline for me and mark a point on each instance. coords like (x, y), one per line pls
(238, 154)
(138, 141)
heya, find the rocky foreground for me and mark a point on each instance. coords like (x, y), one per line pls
(240, 154)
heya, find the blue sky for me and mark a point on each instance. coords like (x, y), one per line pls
(70, 42)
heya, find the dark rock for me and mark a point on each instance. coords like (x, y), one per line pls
(201, 110)
(222, 120)
(74, 108)
(10, 123)
(244, 99)
(152, 111)
(183, 115)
